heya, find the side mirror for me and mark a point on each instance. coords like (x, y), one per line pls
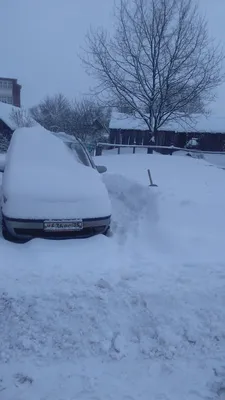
(101, 169)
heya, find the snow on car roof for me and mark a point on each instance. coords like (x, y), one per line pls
(37, 145)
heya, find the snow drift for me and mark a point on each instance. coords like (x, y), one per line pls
(139, 315)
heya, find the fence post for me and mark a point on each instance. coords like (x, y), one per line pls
(98, 151)
(118, 150)
(134, 149)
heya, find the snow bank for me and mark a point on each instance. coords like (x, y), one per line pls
(216, 159)
(44, 179)
(132, 202)
(188, 190)
(139, 315)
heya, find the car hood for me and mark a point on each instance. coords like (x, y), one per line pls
(57, 194)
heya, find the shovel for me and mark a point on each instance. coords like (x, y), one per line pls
(150, 180)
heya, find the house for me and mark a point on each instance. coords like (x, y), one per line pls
(127, 129)
(130, 129)
(208, 131)
(10, 91)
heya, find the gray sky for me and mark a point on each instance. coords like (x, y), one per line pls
(40, 40)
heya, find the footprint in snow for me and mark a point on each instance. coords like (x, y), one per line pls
(22, 379)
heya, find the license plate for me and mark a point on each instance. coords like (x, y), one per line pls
(63, 226)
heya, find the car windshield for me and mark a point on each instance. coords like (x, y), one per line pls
(79, 153)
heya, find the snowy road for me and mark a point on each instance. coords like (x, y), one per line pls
(139, 315)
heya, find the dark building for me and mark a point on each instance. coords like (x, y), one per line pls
(209, 132)
(10, 91)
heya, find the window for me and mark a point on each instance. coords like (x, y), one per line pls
(79, 153)
(6, 84)
(6, 100)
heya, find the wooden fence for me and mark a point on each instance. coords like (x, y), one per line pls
(169, 149)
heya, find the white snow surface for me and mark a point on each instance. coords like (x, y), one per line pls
(6, 115)
(44, 179)
(126, 121)
(136, 316)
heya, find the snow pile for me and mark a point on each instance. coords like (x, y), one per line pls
(216, 159)
(139, 315)
(135, 204)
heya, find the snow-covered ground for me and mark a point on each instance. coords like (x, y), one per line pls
(137, 316)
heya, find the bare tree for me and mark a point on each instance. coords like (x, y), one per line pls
(4, 142)
(21, 118)
(84, 118)
(90, 120)
(53, 113)
(160, 60)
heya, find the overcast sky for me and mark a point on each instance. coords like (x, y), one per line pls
(41, 39)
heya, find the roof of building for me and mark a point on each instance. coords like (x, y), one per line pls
(127, 122)
(5, 115)
(199, 123)
(8, 79)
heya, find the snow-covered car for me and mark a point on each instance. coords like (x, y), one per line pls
(52, 188)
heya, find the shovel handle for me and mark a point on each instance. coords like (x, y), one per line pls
(150, 177)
